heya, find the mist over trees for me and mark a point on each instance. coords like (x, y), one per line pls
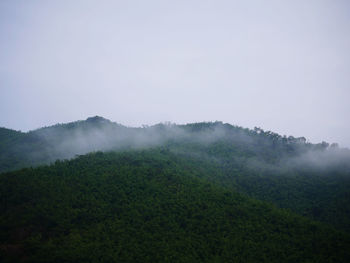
(65, 141)
(201, 192)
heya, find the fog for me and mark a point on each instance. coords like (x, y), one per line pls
(256, 150)
(322, 159)
(98, 134)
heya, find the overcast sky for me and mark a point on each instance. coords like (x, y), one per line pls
(279, 65)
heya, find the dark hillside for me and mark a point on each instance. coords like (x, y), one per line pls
(310, 179)
(148, 206)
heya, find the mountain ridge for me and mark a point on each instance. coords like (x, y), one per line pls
(310, 179)
(301, 191)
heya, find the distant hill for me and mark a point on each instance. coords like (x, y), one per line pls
(65, 141)
(266, 170)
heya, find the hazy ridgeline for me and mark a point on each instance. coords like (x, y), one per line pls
(262, 150)
(310, 179)
(197, 192)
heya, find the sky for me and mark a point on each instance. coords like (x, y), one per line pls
(283, 66)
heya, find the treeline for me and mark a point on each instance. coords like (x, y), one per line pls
(65, 141)
(312, 180)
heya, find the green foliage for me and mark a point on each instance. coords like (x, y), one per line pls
(175, 193)
(149, 206)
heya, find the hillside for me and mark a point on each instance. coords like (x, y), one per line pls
(149, 206)
(65, 141)
(310, 179)
(62, 206)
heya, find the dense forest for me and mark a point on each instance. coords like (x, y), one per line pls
(97, 191)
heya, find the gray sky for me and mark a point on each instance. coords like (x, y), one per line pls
(279, 65)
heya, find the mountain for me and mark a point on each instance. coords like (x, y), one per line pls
(70, 207)
(149, 206)
(65, 141)
(48, 144)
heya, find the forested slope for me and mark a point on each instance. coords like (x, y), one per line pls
(149, 206)
(310, 179)
(41, 207)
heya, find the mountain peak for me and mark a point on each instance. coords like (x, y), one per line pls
(97, 119)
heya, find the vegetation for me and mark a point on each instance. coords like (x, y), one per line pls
(149, 206)
(202, 192)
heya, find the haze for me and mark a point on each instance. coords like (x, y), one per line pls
(279, 65)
